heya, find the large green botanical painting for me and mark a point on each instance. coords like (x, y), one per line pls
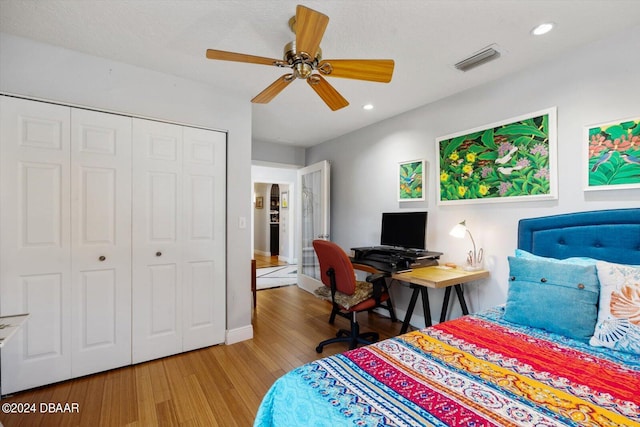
(512, 160)
(614, 155)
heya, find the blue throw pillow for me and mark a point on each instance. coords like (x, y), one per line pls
(573, 260)
(558, 297)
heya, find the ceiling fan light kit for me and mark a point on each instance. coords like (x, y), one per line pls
(309, 25)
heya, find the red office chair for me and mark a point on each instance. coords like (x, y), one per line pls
(338, 274)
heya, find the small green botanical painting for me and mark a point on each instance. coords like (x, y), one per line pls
(410, 177)
(507, 161)
(614, 155)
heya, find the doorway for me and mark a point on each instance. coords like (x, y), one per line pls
(273, 222)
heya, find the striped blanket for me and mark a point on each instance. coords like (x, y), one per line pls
(475, 371)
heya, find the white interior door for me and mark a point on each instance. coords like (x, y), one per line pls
(313, 194)
(100, 241)
(204, 273)
(157, 240)
(35, 241)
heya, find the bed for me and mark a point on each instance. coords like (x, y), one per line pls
(564, 350)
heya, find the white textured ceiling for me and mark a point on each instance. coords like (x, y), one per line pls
(424, 37)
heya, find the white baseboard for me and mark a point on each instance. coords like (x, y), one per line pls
(239, 334)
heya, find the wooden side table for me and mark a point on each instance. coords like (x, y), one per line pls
(421, 279)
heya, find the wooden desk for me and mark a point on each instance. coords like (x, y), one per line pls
(421, 279)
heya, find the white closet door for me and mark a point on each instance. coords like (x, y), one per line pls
(157, 240)
(100, 241)
(35, 241)
(204, 174)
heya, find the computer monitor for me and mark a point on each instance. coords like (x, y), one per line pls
(404, 229)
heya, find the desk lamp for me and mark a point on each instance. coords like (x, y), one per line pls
(474, 258)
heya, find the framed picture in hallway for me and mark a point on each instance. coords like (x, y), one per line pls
(507, 161)
(613, 155)
(259, 202)
(411, 181)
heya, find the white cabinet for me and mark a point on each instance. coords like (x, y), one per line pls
(111, 237)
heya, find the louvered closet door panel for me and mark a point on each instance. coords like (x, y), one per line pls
(157, 237)
(100, 241)
(204, 174)
(35, 241)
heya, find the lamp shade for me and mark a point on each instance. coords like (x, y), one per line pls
(459, 230)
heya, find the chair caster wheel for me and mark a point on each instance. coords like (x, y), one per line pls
(319, 349)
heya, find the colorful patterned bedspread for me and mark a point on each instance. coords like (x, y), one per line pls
(475, 371)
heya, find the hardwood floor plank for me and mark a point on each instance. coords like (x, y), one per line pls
(180, 392)
(220, 385)
(147, 415)
(248, 391)
(263, 261)
(161, 389)
(241, 417)
(166, 414)
(203, 415)
(91, 388)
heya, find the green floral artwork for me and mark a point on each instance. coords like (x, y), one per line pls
(501, 162)
(410, 181)
(614, 155)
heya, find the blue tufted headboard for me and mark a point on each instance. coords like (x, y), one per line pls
(609, 235)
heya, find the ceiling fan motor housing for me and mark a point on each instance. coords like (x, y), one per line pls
(301, 62)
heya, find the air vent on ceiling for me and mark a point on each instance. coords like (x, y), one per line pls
(485, 55)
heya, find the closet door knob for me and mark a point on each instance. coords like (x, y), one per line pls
(158, 253)
(102, 258)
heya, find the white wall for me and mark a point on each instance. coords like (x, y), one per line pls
(38, 70)
(594, 84)
(277, 153)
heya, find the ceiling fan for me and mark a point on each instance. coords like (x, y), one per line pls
(304, 56)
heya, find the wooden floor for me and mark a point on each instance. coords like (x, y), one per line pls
(263, 261)
(217, 386)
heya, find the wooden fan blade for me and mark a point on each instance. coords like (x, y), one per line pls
(374, 70)
(240, 57)
(273, 90)
(310, 26)
(328, 93)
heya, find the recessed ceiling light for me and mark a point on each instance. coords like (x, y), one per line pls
(367, 107)
(542, 29)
